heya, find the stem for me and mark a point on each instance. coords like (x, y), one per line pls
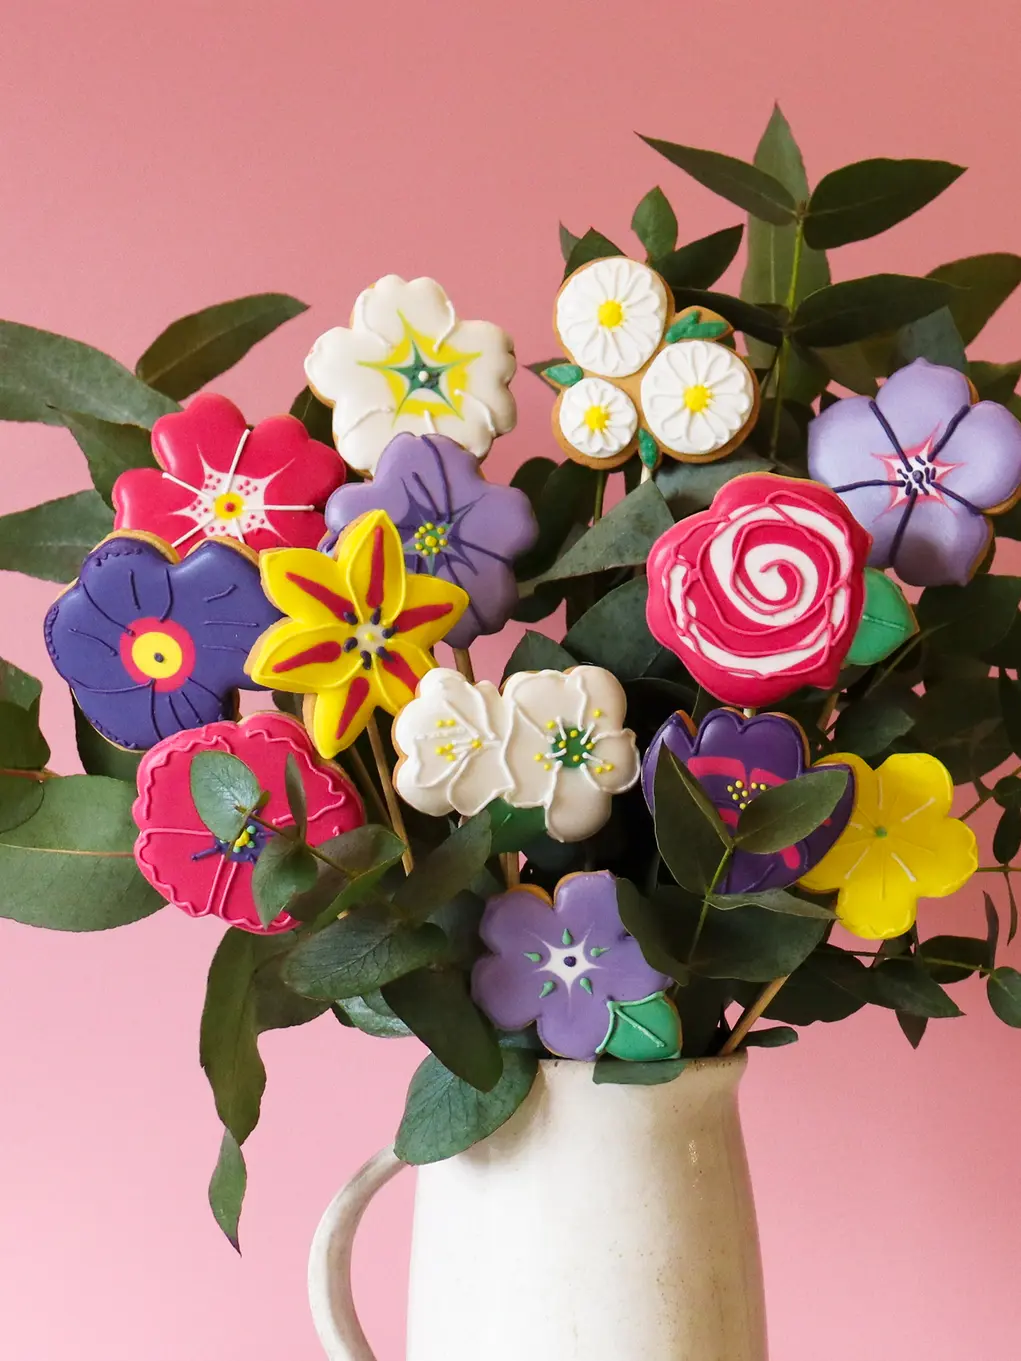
(463, 662)
(986, 794)
(646, 474)
(751, 1014)
(597, 509)
(999, 869)
(721, 870)
(291, 834)
(38, 775)
(785, 344)
(364, 781)
(393, 807)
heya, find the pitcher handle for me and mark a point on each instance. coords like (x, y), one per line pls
(329, 1262)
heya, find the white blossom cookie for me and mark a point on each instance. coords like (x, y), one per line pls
(697, 398)
(406, 363)
(611, 315)
(450, 741)
(597, 419)
(567, 750)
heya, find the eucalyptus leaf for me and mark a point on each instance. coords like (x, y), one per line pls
(436, 1005)
(284, 868)
(22, 745)
(969, 619)
(444, 1116)
(746, 185)
(294, 788)
(372, 1016)
(770, 1037)
(982, 283)
(913, 1027)
(935, 338)
(227, 1188)
(359, 954)
(774, 900)
(445, 871)
(1004, 990)
(748, 943)
(700, 263)
(687, 487)
(630, 1074)
(100, 757)
(224, 791)
(904, 985)
(365, 854)
(859, 308)
(21, 797)
(592, 246)
(761, 322)
(18, 687)
(228, 1049)
(566, 500)
(199, 347)
(536, 652)
(623, 537)
(829, 985)
(614, 633)
(1007, 836)
(514, 828)
(788, 812)
(868, 197)
(109, 449)
(568, 241)
(995, 382)
(951, 959)
(691, 842)
(654, 222)
(315, 416)
(872, 724)
(50, 541)
(1009, 692)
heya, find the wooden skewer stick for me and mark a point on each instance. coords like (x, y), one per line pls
(392, 804)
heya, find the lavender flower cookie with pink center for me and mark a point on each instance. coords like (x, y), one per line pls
(920, 467)
(570, 966)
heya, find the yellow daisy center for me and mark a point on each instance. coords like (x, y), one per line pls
(228, 506)
(610, 313)
(697, 397)
(597, 418)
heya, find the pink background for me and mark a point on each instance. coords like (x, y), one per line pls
(156, 159)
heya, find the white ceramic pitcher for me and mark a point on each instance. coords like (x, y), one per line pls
(600, 1223)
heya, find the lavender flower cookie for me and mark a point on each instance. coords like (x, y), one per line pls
(920, 467)
(452, 522)
(570, 966)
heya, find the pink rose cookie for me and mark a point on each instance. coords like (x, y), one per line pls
(265, 487)
(763, 592)
(182, 859)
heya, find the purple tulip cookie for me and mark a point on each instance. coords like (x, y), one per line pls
(735, 759)
(452, 522)
(920, 467)
(571, 967)
(150, 644)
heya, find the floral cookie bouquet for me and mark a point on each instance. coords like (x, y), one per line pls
(757, 648)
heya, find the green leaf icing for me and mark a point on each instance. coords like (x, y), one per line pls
(690, 327)
(564, 374)
(643, 1031)
(648, 449)
(887, 621)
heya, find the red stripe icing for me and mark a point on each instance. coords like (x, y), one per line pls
(423, 614)
(321, 652)
(400, 669)
(333, 602)
(355, 699)
(374, 595)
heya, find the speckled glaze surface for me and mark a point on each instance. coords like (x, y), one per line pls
(601, 1223)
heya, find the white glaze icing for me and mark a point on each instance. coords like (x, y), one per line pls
(611, 315)
(696, 396)
(596, 418)
(368, 372)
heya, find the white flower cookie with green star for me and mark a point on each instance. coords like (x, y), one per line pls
(407, 363)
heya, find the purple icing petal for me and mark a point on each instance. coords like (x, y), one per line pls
(573, 1023)
(126, 579)
(517, 921)
(508, 988)
(941, 545)
(843, 444)
(921, 399)
(987, 447)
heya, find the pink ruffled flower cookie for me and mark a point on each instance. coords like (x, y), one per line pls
(182, 859)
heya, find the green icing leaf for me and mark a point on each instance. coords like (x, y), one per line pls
(648, 449)
(887, 621)
(641, 1032)
(566, 375)
(689, 327)
(444, 1116)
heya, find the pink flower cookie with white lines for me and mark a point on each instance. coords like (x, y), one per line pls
(265, 487)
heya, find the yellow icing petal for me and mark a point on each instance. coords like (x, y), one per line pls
(371, 559)
(305, 584)
(290, 656)
(879, 904)
(912, 784)
(432, 606)
(942, 855)
(397, 675)
(338, 716)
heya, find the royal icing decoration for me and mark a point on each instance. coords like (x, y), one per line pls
(150, 644)
(265, 488)
(636, 380)
(182, 859)
(921, 466)
(899, 845)
(359, 628)
(567, 749)
(569, 966)
(763, 592)
(452, 522)
(407, 363)
(736, 759)
(450, 739)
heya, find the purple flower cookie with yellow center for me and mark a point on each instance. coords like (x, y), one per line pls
(735, 759)
(921, 466)
(151, 645)
(452, 522)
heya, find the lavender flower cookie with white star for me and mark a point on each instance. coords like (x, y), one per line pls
(452, 522)
(921, 466)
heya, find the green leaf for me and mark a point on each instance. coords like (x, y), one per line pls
(700, 263)
(365, 853)
(688, 487)
(887, 621)
(1007, 837)
(914, 1027)
(1004, 990)
(18, 687)
(622, 538)
(1009, 692)
(645, 1031)
(749, 943)
(436, 1005)
(514, 828)
(904, 985)
(873, 724)
(22, 745)
(654, 222)
(359, 954)
(638, 1074)
(372, 1016)
(859, 308)
(746, 185)
(294, 788)
(50, 541)
(283, 869)
(613, 633)
(994, 382)
(109, 449)
(536, 652)
(566, 500)
(983, 283)
(935, 338)
(227, 1188)
(444, 1116)
(787, 813)
(592, 246)
(568, 241)
(868, 197)
(315, 416)
(228, 1050)
(564, 375)
(224, 791)
(445, 871)
(773, 1037)
(773, 900)
(277, 1007)
(691, 838)
(42, 375)
(747, 317)
(20, 799)
(829, 985)
(969, 619)
(1007, 792)
(100, 757)
(942, 955)
(199, 347)
(71, 866)
(689, 326)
